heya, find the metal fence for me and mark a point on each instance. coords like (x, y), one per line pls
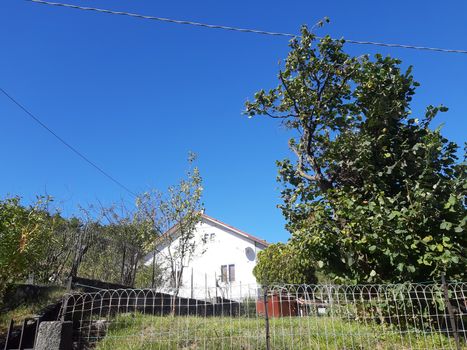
(23, 337)
(399, 316)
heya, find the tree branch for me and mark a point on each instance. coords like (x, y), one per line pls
(287, 90)
(300, 169)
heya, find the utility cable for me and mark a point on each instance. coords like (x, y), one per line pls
(68, 145)
(236, 29)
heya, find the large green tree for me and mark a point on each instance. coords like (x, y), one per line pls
(374, 194)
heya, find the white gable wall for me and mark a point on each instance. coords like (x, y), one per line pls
(226, 247)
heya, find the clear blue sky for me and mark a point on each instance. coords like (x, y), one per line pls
(135, 96)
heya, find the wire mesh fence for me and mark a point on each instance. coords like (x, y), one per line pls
(399, 316)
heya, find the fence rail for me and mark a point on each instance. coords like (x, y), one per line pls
(398, 316)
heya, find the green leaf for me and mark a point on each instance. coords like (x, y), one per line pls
(445, 225)
(427, 239)
(451, 202)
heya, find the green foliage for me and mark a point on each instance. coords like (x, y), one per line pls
(181, 210)
(55, 263)
(147, 277)
(24, 234)
(375, 195)
(108, 243)
(125, 237)
(283, 263)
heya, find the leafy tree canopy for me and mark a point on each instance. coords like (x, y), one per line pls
(374, 194)
(283, 263)
(23, 233)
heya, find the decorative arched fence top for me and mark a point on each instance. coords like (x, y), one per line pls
(281, 316)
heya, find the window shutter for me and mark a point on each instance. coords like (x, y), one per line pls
(224, 273)
(231, 273)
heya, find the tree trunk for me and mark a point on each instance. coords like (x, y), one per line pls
(122, 270)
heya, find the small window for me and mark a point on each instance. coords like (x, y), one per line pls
(208, 237)
(231, 273)
(228, 273)
(224, 273)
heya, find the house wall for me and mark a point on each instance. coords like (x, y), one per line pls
(225, 248)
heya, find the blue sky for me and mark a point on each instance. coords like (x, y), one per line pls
(135, 96)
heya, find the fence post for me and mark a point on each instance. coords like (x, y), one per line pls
(451, 312)
(9, 333)
(69, 284)
(64, 309)
(191, 294)
(23, 329)
(266, 317)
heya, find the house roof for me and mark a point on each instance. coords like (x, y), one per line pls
(236, 230)
(223, 224)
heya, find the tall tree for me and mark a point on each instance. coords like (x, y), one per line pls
(84, 236)
(54, 265)
(149, 210)
(181, 212)
(128, 235)
(374, 194)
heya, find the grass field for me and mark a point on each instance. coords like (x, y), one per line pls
(18, 311)
(143, 332)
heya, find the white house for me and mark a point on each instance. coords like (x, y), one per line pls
(221, 264)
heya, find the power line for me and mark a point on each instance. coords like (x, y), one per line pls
(402, 46)
(212, 26)
(73, 149)
(236, 29)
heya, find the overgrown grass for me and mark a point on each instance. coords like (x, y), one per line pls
(18, 310)
(145, 332)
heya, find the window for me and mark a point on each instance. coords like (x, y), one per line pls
(208, 237)
(231, 273)
(224, 273)
(228, 273)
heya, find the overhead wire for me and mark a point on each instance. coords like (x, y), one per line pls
(67, 144)
(162, 19)
(198, 24)
(237, 29)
